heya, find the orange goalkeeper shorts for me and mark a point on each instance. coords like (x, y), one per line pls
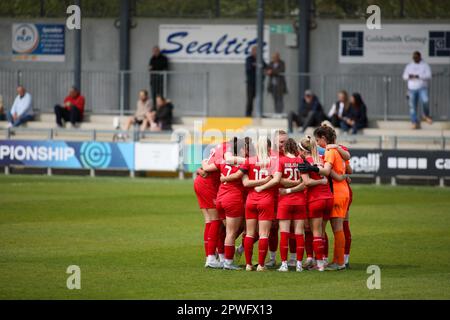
(340, 207)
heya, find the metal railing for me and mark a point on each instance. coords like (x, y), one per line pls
(384, 95)
(104, 90)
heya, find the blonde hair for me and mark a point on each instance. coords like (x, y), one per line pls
(262, 152)
(309, 145)
(327, 123)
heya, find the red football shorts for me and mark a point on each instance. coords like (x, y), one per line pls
(230, 209)
(320, 209)
(291, 212)
(260, 211)
(206, 196)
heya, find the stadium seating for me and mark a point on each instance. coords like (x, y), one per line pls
(387, 134)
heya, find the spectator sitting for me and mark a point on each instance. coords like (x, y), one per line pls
(161, 118)
(143, 106)
(355, 117)
(21, 110)
(337, 109)
(2, 109)
(309, 114)
(72, 110)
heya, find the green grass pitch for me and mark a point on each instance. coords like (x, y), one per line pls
(142, 239)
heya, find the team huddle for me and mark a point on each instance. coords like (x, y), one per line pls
(284, 192)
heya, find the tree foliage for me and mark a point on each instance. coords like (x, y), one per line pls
(412, 9)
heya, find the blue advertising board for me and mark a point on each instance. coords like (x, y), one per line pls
(38, 42)
(67, 154)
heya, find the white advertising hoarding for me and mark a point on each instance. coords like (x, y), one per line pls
(156, 156)
(394, 43)
(210, 43)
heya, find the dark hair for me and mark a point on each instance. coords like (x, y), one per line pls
(291, 147)
(358, 100)
(144, 92)
(325, 132)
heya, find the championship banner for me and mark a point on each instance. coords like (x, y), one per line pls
(394, 43)
(66, 154)
(38, 42)
(210, 43)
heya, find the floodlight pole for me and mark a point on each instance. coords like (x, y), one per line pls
(259, 61)
(303, 46)
(77, 54)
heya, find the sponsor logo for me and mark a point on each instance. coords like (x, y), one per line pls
(442, 164)
(352, 43)
(439, 45)
(366, 164)
(25, 38)
(410, 163)
(95, 154)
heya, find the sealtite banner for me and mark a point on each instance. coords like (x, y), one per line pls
(210, 43)
(67, 154)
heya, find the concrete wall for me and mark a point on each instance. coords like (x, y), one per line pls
(226, 82)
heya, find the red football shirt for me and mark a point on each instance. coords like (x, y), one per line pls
(256, 172)
(289, 167)
(319, 192)
(231, 190)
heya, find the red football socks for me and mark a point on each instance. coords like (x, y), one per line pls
(205, 236)
(300, 238)
(284, 241)
(248, 248)
(263, 246)
(213, 236)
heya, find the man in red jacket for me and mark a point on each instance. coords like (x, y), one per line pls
(72, 110)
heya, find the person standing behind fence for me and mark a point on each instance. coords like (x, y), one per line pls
(250, 73)
(418, 73)
(158, 63)
(72, 110)
(22, 108)
(277, 82)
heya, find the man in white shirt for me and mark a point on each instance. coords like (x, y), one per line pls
(22, 108)
(418, 73)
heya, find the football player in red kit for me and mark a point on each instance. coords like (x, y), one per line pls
(319, 199)
(206, 186)
(291, 206)
(276, 152)
(229, 203)
(259, 208)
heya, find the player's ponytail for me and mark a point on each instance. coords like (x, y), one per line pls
(309, 145)
(262, 152)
